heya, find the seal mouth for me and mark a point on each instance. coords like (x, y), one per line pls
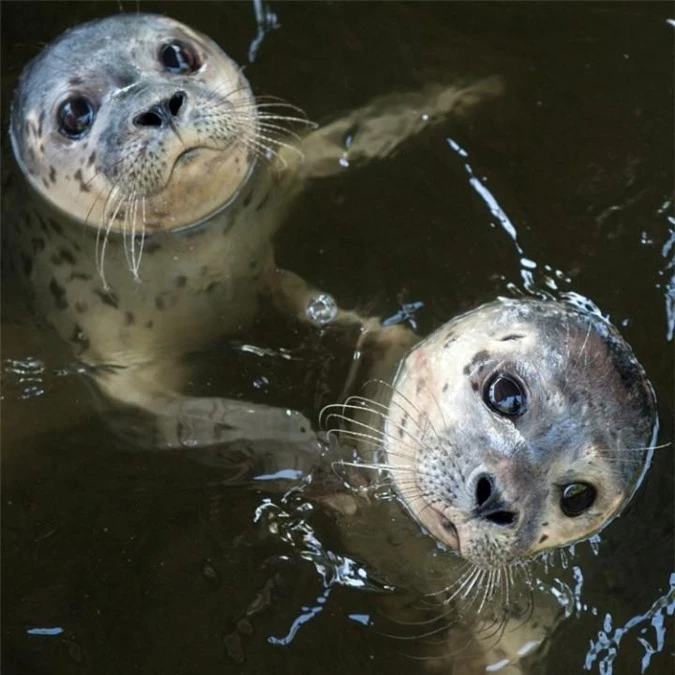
(190, 155)
(448, 532)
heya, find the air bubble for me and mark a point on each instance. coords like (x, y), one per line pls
(322, 309)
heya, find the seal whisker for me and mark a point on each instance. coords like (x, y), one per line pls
(101, 245)
(402, 473)
(136, 238)
(281, 132)
(271, 101)
(376, 434)
(421, 622)
(374, 467)
(643, 448)
(465, 581)
(466, 566)
(395, 392)
(267, 151)
(126, 229)
(377, 406)
(269, 122)
(421, 636)
(466, 590)
(141, 246)
(583, 346)
(267, 117)
(488, 588)
(402, 430)
(273, 143)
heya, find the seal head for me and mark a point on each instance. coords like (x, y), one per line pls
(520, 426)
(134, 122)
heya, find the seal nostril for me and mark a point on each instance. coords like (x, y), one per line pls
(148, 119)
(483, 490)
(501, 517)
(176, 103)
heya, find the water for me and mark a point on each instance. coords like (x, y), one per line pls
(117, 560)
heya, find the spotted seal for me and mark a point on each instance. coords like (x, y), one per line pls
(157, 180)
(515, 429)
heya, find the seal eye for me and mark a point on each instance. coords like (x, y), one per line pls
(505, 395)
(75, 116)
(177, 57)
(576, 498)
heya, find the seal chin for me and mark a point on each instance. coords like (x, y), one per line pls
(202, 180)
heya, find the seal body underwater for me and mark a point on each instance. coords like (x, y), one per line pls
(157, 182)
(515, 429)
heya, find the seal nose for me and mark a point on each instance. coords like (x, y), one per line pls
(489, 503)
(161, 113)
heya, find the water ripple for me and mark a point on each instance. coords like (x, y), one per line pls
(605, 648)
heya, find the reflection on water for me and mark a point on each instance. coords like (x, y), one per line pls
(119, 560)
(605, 648)
(668, 271)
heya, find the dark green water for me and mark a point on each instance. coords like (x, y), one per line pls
(146, 562)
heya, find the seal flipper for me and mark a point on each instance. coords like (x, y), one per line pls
(375, 130)
(143, 404)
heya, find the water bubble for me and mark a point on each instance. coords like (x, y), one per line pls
(261, 382)
(322, 309)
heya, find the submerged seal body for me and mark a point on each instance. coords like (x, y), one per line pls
(157, 181)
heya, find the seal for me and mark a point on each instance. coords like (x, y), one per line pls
(157, 180)
(513, 430)
(520, 426)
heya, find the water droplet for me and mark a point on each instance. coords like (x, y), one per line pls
(322, 309)
(261, 382)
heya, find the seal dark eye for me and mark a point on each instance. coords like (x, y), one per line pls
(576, 498)
(75, 116)
(178, 57)
(505, 395)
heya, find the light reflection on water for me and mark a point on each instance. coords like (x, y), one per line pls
(610, 638)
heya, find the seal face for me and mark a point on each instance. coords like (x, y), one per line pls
(133, 123)
(520, 426)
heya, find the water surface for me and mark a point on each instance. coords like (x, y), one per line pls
(117, 560)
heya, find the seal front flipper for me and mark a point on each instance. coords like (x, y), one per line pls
(143, 402)
(374, 131)
(189, 422)
(245, 441)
